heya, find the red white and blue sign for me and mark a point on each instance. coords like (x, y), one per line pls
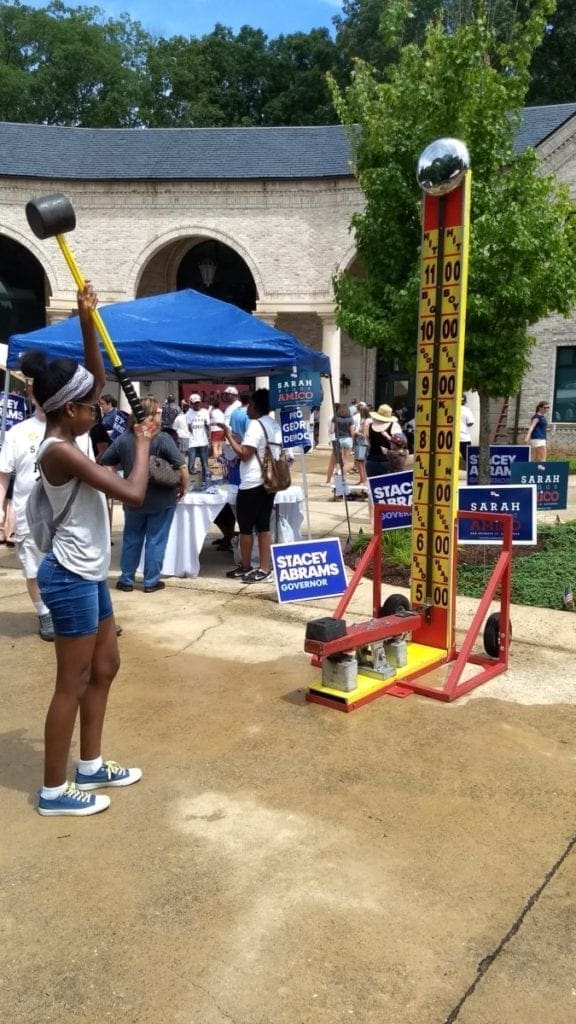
(550, 480)
(502, 458)
(294, 429)
(309, 570)
(393, 489)
(517, 501)
(289, 390)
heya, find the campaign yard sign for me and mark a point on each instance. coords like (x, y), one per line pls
(518, 501)
(502, 458)
(393, 489)
(550, 480)
(15, 409)
(308, 569)
(294, 429)
(289, 390)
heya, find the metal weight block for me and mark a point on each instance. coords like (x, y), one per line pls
(325, 629)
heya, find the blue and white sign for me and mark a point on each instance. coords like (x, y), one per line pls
(289, 390)
(550, 480)
(393, 489)
(15, 409)
(502, 458)
(294, 429)
(519, 502)
(309, 569)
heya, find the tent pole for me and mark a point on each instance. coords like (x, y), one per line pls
(305, 487)
(340, 461)
(5, 405)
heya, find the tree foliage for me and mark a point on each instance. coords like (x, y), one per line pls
(61, 66)
(469, 84)
(553, 71)
(76, 66)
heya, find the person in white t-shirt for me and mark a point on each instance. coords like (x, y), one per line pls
(199, 426)
(216, 430)
(466, 422)
(18, 456)
(180, 425)
(231, 403)
(254, 504)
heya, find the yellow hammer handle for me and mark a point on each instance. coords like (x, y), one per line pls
(96, 318)
(126, 384)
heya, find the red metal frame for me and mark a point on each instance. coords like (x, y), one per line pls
(501, 576)
(379, 628)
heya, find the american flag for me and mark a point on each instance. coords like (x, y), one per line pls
(568, 597)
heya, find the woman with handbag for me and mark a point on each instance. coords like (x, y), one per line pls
(149, 525)
(254, 503)
(381, 425)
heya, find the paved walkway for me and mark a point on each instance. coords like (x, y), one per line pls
(281, 863)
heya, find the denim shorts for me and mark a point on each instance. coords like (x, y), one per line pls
(77, 606)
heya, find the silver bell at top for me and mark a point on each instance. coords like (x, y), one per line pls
(442, 166)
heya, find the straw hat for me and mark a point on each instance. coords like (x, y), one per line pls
(383, 413)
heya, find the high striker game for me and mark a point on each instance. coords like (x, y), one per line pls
(444, 177)
(363, 661)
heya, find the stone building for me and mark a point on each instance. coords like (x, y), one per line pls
(255, 216)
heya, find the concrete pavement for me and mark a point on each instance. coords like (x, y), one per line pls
(281, 863)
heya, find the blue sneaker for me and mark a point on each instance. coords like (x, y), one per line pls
(110, 773)
(72, 801)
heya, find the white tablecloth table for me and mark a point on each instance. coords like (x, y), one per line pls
(197, 511)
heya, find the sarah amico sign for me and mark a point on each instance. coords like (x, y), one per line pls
(291, 390)
(550, 480)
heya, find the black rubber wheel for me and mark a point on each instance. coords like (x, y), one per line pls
(393, 603)
(492, 635)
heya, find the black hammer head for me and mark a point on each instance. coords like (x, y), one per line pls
(50, 215)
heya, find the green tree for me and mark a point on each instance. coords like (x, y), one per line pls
(224, 79)
(214, 81)
(523, 242)
(553, 71)
(62, 65)
(296, 91)
(359, 35)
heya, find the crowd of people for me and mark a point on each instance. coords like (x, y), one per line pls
(368, 442)
(88, 452)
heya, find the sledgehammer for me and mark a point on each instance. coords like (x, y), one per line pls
(50, 217)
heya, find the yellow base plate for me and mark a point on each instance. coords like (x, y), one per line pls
(419, 657)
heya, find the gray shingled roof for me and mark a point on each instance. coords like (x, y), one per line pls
(106, 154)
(92, 154)
(540, 122)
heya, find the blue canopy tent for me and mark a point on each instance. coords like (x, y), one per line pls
(179, 335)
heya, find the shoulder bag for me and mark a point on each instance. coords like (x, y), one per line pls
(275, 472)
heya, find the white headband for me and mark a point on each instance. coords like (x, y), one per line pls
(81, 383)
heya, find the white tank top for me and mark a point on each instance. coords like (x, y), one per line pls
(82, 542)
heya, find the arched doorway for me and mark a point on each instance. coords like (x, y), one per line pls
(22, 289)
(207, 265)
(216, 270)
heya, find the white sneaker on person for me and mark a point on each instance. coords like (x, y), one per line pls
(72, 802)
(110, 773)
(46, 627)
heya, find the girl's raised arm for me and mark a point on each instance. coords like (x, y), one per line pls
(88, 300)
